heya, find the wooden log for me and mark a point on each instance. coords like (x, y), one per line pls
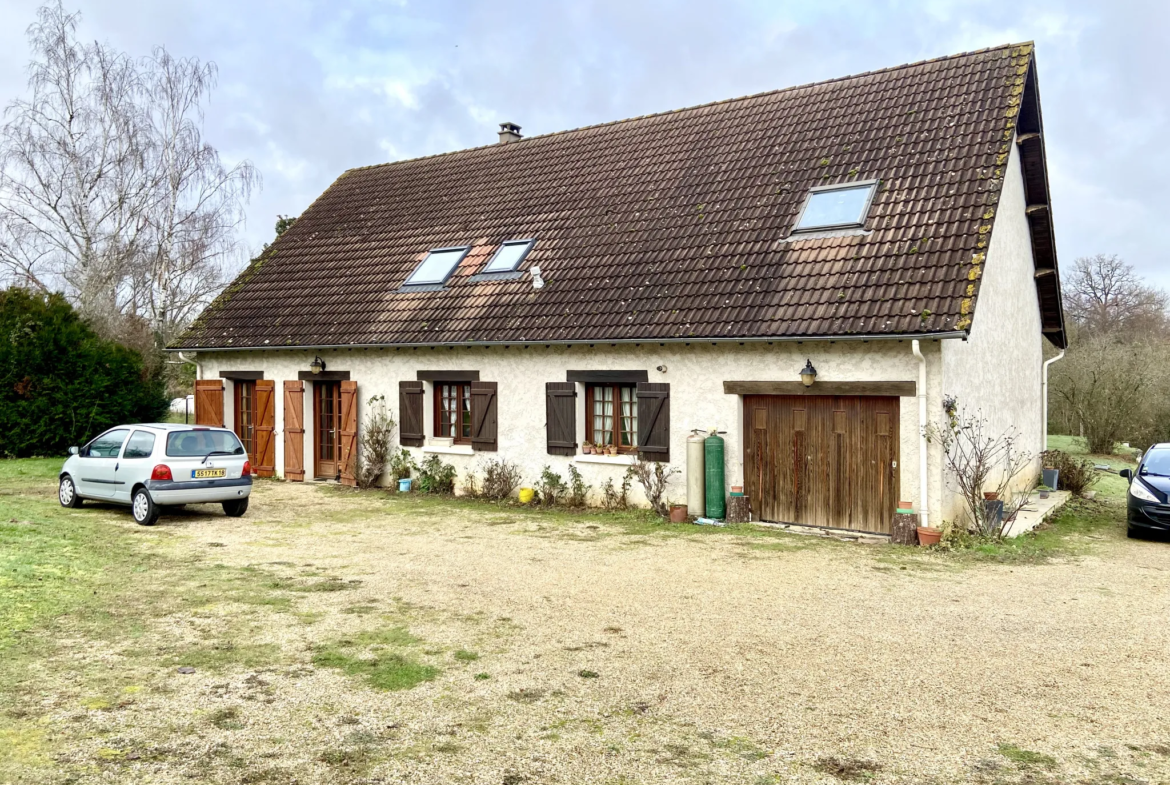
(739, 509)
(905, 529)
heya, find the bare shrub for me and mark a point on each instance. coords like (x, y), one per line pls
(654, 476)
(981, 462)
(1076, 473)
(500, 478)
(374, 445)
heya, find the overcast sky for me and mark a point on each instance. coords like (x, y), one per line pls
(309, 89)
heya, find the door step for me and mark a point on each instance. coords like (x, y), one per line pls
(865, 538)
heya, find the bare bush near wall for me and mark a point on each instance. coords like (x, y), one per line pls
(654, 476)
(375, 443)
(980, 461)
(500, 478)
(108, 191)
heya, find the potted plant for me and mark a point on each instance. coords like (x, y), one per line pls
(1050, 477)
(1044, 491)
(990, 496)
(678, 513)
(613, 449)
(587, 448)
(929, 535)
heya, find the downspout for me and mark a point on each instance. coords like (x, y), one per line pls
(924, 506)
(1044, 394)
(198, 365)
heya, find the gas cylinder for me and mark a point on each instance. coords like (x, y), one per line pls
(716, 504)
(695, 478)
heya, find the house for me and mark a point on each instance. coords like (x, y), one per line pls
(629, 282)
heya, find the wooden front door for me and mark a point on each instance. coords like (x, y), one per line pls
(829, 461)
(245, 416)
(327, 429)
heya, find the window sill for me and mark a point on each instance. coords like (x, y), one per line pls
(612, 460)
(443, 449)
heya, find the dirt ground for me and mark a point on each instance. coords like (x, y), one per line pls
(362, 638)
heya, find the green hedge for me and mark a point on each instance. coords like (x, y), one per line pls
(60, 383)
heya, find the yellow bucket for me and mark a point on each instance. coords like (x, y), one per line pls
(526, 495)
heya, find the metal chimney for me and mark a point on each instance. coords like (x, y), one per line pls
(509, 132)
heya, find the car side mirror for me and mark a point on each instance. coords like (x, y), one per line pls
(1126, 473)
(73, 451)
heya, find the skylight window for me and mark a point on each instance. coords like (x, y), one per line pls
(437, 267)
(836, 206)
(509, 256)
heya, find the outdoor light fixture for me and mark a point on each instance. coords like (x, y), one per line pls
(318, 365)
(809, 374)
(662, 369)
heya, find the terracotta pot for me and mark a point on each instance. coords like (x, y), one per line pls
(737, 489)
(906, 505)
(678, 513)
(990, 496)
(587, 449)
(928, 535)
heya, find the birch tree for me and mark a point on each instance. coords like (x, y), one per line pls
(108, 191)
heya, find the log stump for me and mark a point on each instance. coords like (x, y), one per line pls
(905, 529)
(739, 509)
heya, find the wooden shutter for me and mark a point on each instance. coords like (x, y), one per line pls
(265, 426)
(294, 431)
(349, 433)
(653, 421)
(561, 417)
(410, 413)
(209, 402)
(483, 417)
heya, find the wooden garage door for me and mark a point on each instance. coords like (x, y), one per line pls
(826, 461)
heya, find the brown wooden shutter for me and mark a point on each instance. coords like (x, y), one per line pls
(410, 413)
(349, 433)
(483, 417)
(653, 421)
(265, 427)
(209, 402)
(561, 417)
(294, 431)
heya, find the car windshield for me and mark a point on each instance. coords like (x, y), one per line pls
(198, 443)
(1157, 462)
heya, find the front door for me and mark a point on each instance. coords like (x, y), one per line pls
(327, 429)
(245, 417)
(828, 461)
(98, 462)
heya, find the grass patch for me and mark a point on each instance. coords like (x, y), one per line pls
(222, 655)
(227, 718)
(369, 656)
(1026, 758)
(847, 768)
(463, 655)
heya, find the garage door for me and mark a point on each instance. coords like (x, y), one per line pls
(829, 461)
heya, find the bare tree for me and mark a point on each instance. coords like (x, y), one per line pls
(1103, 294)
(107, 190)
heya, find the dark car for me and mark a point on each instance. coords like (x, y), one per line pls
(1148, 508)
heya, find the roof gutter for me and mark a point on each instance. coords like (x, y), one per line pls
(953, 334)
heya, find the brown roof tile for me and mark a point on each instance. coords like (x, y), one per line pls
(664, 227)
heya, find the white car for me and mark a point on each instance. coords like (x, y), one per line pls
(156, 465)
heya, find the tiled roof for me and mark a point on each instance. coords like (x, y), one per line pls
(665, 227)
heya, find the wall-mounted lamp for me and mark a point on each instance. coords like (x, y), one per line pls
(809, 374)
(317, 365)
(661, 369)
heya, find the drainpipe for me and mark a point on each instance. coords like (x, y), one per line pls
(1044, 442)
(924, 511)
(198, 365)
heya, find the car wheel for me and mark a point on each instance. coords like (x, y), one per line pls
(67, 493)
(236, 507)
(143, 508)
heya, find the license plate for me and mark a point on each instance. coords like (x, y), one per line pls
(204, 474)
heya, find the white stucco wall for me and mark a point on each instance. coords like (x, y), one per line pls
(997, 370)
(695, 373)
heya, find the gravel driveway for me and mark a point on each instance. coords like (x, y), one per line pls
(572, 650)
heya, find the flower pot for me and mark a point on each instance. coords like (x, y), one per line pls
(587, 449)
(526, 495)
(1051, 477)
(404, 485)
(611, 451)
(737, 489)
(678, 513)
(928, 535)
(990, 496)
(1043, 494)
(906, 505)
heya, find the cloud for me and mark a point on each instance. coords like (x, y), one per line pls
(309, 89)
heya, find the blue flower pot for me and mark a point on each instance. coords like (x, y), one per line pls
(404, 485)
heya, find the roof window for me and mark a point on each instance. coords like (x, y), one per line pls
(437, 267)
(836, 206)
(508, 256)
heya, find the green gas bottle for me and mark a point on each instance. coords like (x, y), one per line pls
(713, 471)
